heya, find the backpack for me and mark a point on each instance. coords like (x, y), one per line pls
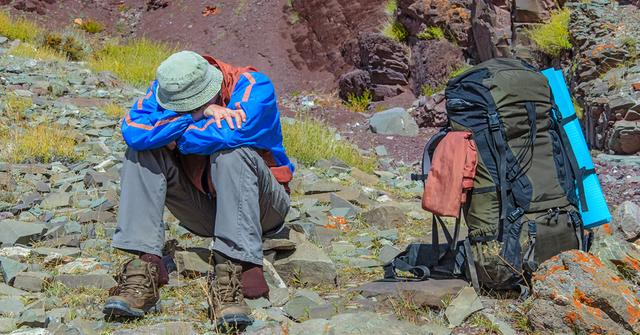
(523, 207)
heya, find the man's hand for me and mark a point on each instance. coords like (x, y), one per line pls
(219, 113)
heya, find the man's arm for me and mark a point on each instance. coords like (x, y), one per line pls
(149, 126)
(255, 95)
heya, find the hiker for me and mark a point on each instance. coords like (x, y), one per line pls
(205, 141)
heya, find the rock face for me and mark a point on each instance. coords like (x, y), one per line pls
(604, 75)
(454, 16)
(492, 29)
(394, 121)
(432, 63)
(385, 62)
(575, 290)
(321, 28)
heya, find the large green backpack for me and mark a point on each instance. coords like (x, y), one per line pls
(522, 209)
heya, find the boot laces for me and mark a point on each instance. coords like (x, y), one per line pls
(135, 282)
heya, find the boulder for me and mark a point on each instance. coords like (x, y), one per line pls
(430, 111)
(421, 293)
(385, 217)
(385, 60)
(627, 220)
(395, 121)
(432, 62)
(575, 290)
(625, 137)
(354, 83)
(307, 264)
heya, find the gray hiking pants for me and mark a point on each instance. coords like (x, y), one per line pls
(249, 202)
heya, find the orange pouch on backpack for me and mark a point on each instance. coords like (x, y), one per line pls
(453, 169)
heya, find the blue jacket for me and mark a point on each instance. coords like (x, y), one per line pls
(149, 126)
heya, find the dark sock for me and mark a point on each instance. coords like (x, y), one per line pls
(253, 283)
(163, 275)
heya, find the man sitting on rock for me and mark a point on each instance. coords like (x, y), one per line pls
(206, 142)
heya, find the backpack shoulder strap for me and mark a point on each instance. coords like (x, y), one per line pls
(429, 148)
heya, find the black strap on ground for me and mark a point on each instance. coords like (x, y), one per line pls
(472, 273)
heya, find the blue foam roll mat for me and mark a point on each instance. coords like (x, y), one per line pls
(598, 212)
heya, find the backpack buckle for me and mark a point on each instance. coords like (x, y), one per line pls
(494, 121)
(515, 215)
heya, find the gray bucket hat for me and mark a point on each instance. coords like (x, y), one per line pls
(186, 81)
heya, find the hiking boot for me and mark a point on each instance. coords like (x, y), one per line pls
(137, 290)
(228, 309)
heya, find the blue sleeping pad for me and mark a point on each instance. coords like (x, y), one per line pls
(595, 212)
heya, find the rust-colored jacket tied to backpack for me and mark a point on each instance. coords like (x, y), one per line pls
(453, 169)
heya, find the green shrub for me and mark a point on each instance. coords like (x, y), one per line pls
(428, 90)
(390, 7)
(92, 26)
(66, 44)
(431, 33)
(460, 70)
(553, 38)
(395, 31)
(19, 29)
(134, 62)
(310, 140)
(579, 110)
(360, 103)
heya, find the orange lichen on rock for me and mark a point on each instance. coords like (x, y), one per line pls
(571, 318)
(601, 48)
(634, 313)
(632, 262)
(582, 297)
(607, 229)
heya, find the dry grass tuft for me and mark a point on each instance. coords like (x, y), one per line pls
(18, 29)
(310, 140)
(40, 53)
(114, 111)
(134, 62)
(42, 144)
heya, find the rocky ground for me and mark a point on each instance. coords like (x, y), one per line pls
(56, 220)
